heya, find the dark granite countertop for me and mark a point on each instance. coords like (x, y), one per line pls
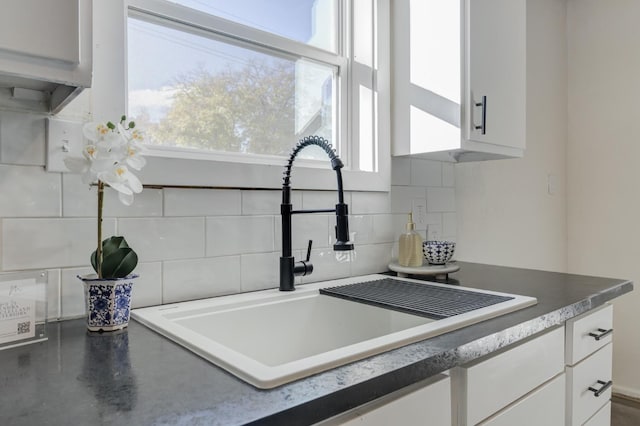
(137, 377)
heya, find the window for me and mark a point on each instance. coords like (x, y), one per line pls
(221, 95)
(240, 82)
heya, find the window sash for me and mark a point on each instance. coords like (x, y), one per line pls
(173, 12)
(184, 19)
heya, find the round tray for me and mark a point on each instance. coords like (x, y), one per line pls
(425, 269)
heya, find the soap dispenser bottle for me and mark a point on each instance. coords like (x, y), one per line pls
(410, 246)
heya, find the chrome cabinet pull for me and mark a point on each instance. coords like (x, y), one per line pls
(603, 333)
(483, 126)
(603, 388)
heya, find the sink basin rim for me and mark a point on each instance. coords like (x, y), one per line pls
(162, 320)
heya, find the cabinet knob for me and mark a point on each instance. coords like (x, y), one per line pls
(602, 333)
(603, 388)
(482, 127)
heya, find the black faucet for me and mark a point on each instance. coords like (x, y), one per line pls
(289, 268)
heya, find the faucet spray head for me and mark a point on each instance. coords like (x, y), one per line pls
(342, 228)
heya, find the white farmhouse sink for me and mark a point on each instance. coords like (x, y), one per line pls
(269, 338)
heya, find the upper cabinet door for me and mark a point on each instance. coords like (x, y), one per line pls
(459, 79)
(43, 29)
(496, 71)
(45, 53)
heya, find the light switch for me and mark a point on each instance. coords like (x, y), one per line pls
(419, 210)
(64, 138)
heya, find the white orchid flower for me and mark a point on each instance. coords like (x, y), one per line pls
(123, 181)
(111, 150)
(102, 136)
(84, 165)
(133, 155)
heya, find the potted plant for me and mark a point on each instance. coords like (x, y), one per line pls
(108, 153)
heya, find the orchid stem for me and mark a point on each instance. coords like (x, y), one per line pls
(99, 249)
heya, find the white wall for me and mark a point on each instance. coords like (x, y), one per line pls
(604, 151)
(506, 215)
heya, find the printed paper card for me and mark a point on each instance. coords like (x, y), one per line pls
(17, 310)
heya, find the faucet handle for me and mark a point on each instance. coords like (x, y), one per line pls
(309, 251)
(304, 267)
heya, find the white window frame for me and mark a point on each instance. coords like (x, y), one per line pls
(109, 99)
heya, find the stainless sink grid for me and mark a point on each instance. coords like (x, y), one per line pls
(426, 300)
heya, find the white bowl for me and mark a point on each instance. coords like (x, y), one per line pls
(438, 252)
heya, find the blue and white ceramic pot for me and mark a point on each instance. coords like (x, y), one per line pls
(108, 302)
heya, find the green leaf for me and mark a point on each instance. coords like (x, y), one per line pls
(132, 124)
(119, 264)
(111, 125)
(118, 259)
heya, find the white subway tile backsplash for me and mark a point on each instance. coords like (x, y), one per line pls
(28, 191)
(370, 202)
(239, 235)
(267, 202)
(434, 218)
(329, 265)
(22, 138)
(400, 171)
(434, 232)
(448, 175)
(402, 197)
(361, 229)
(384, 232)
(314, 200)
(81, 200)
(164, 238)
(146, 204)
(371, 229)
(201, 202)
(53, 294)
(441, 200)
(371, 259)
(147, 288)
(305, 227)
(72, 303)
(200, 278)
(426, 173)
(449, 225)
(259, 271)
(49, 243)
(195, 243)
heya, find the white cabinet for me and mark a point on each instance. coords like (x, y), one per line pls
(45, 52)
(427, 403)
(602, 417)
(587, 333)
(459, 79)
(543, 406)
(589, 367)
(488, 385)
(560, 377)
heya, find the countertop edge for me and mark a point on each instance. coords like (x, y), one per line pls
(385, 383)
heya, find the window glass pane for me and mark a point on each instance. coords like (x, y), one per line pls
(313, 22)
(191, 91)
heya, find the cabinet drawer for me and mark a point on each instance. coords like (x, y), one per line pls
(594, 372)
(426, 403)
(588, 333)
(499, 380)
(602, 417)
(544, 406)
